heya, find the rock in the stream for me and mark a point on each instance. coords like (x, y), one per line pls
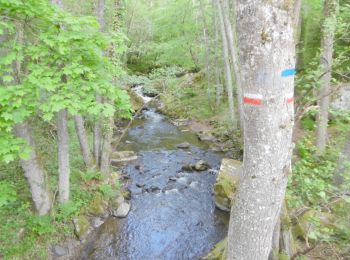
(183, 145)
(187, 167)
(59, 251)
(227, 183)
(96, 222)
(123, 156)
(81, 226)
(122, 211)
(206, 136)
(201, 166)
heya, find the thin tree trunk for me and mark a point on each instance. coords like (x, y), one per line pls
(34, 172)
(216, 54)
(327, 38)
(107, 147)
(287, 244)
(227, 64)
(234, 58)
(207, 49)
(63, 145)
(63, 155)
(97, 129)
(266, 49)
(83, 141)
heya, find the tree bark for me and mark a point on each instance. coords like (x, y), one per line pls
(227, 64)
(83, 141)
(97, 129)
(218, 89)
(234, 58)
(63, 156)
(267, 57)
(107, 147)
(326, 61)
(207, 49)
(34, 172)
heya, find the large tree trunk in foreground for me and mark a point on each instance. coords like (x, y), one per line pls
(327, 38)
(63, 155)
(83, 141)
(267, 59)
(227, 64)
(34, 172)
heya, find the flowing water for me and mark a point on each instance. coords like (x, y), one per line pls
(173, 215)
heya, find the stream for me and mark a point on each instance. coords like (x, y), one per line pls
(172, 215)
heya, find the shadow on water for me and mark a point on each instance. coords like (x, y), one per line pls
(173, 215)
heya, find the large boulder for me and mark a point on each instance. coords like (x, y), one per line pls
(81, 226)
(306, 223)
(123, 156)
(122, 211)
(227, 183)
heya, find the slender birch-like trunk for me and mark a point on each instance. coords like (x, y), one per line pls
(83, 141)
(63, 156)
(216, 57)
(207, 49)
(234, 58)
(97, 129)
(34, 172)
(227, 64)
(326, 61)
(63, 145)
(267, 61)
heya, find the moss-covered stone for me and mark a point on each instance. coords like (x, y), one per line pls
(227, 183)
(81, 226)
(219, 252)
(98, 205)
(305, 224)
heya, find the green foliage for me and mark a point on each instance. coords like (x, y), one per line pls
(8, 194)
(64, 68)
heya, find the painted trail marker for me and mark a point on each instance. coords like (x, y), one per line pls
(253, 99)
(289, 73)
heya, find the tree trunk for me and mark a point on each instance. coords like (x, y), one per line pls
(107, 147)
(97, 131)
(287, 245)
(234, 58)
(63, 155)
(34, 172)
(83, 141)
(266, 50)
(207, 49)
(227, 65)
(327, 38)
(218, 89)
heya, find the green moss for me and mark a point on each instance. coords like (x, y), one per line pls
(219, 252)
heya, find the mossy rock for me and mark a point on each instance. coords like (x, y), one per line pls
(150, 91)
(81, 226)
(227, 183)
(219, 252)
(136, 101)
(305, 225)
(98, 205)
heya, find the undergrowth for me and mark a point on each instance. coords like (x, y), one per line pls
(23, 234)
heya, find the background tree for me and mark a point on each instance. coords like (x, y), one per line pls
(326, 61)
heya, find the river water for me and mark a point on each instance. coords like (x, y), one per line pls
(173, 215)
